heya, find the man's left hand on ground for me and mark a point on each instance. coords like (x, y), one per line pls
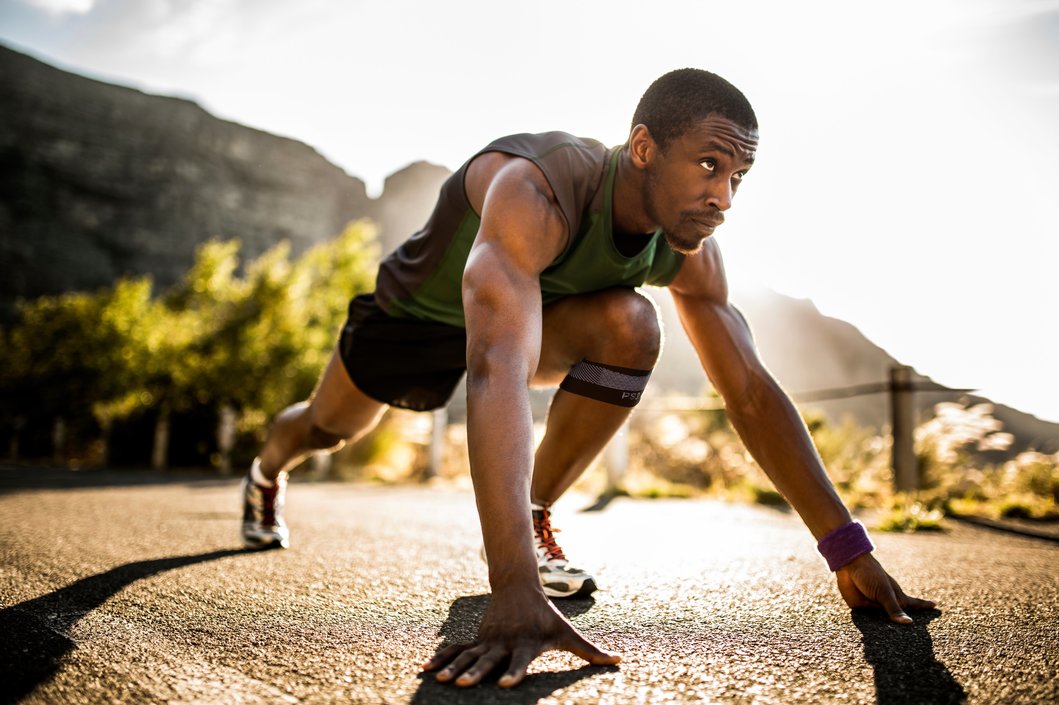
(864, 583)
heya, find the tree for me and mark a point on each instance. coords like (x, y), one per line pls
(72, 358)
(240, 347)
(262, 339)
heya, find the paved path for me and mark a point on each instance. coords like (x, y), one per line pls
(132, 588)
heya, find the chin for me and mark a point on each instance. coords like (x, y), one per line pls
(685, 245)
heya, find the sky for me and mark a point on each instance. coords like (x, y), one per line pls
(906, 177)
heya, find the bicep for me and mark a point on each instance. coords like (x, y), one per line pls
(521, 224)
(521, 233)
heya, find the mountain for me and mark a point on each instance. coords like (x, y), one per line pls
(407, 199)
(813, 356)
(98, 181)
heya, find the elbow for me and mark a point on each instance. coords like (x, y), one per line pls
(503, 338)
(483, 366)
(496, 372)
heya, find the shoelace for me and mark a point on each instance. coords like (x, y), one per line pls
(542, 527)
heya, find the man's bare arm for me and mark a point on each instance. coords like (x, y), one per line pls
(769, 424)
(522, 231)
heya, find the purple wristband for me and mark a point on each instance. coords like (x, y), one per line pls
(844, 545)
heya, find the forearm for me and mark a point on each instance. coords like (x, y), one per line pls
(500, 440)
(775, 435)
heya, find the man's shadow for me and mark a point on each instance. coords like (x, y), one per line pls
(461, 626)
(906, 670)
(33, 634)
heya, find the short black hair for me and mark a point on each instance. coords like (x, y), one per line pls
(682, 98)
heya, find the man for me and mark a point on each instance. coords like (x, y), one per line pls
(525, 275)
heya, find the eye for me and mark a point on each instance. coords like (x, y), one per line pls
(708, 164)
(738, 176)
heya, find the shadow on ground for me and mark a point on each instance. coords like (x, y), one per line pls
(903, 661)
(461, 625)
(34, 633)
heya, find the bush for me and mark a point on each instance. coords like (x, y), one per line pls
(253, 343)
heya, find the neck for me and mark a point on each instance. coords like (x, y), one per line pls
(629, 211)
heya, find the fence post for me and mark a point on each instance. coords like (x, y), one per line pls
(225, 438)
(58, 441)
(16, 429)
(160, 447)
(320, 467)
(902, 415)
(437, 442)
(616, 459)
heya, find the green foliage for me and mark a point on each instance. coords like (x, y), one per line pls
(73, 351)
(254, 341)
(908, 515)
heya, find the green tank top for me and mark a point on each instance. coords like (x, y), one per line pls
(423, 277)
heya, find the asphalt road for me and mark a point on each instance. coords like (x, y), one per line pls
(133, 588)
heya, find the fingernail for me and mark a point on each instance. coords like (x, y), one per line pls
(904, 618)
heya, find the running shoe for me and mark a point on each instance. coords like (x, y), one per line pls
(558, 577)
(263, 525)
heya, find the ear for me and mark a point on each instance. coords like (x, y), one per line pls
(642, 146)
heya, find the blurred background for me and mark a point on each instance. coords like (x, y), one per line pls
(191, 192)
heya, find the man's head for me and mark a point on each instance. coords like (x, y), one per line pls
(681, 99)
(694, 137)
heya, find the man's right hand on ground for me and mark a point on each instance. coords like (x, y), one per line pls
(865, 584)
(514, 631)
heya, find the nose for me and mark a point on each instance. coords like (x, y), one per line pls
(720, 195)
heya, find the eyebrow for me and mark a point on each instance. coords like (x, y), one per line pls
(715, 146)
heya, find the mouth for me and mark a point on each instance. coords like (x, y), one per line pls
(709, 223)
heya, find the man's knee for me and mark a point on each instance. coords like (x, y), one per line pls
(631, 334)
(625, 341)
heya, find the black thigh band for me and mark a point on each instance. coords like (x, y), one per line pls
(607, 383)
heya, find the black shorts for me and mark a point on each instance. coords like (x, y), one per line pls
(402, 362)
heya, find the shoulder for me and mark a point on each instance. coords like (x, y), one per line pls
(505, 176)
(555, 145)
(521, 220)
(572, 168)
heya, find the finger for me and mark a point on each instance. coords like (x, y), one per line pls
(459, 664)
(908, 602)
(481, 668)
(888, 599)
(580, 646)
(516, 670)
(443, 656)
(914, 603)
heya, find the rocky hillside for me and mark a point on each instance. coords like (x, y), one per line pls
(99, 181)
